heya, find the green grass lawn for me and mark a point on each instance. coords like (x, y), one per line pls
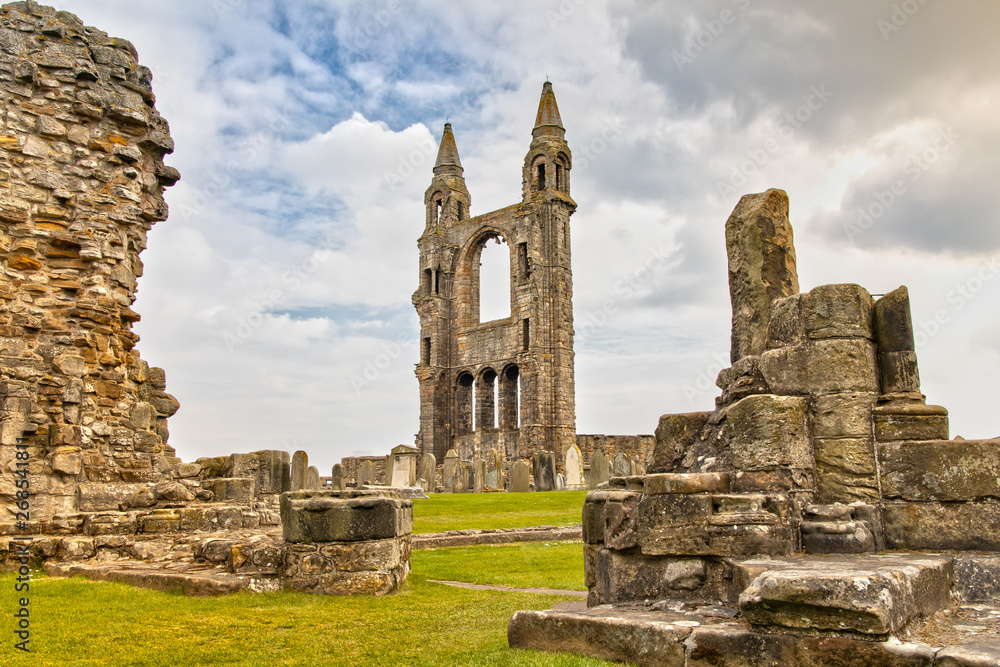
(532, 564)
(459, 511)
(79, 622)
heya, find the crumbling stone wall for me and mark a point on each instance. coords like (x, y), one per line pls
(81, 184)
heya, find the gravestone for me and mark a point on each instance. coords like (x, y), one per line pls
(622, 466)
(312, 479)
(300, 463)
(337, 478)
(520, 478)
(599, 469)
(451, 470)
(478, 473)
(560, 482)
(544, 470)
(404, 465)
(427, 471)
(574, 471)
(366, 475)
(493, 479)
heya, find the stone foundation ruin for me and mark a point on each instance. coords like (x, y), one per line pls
(819, 515)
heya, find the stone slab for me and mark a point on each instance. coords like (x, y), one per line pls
(705, 482)
(838, 311)
(975, 652)
(461, 538)
(638, 638)
(940, 469)
(152, 576)
(845, 469)
(843, 415)
(817, 367)
(343, 516)
(874, 595)
(769, 431)
(628, 577)
(891, 427)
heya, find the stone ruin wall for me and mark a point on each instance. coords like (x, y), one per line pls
(81, 184)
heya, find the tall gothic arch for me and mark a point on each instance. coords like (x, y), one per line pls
(508, 383)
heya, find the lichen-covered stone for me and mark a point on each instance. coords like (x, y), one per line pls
(826, 366)
(942, 470)
(674, 435)
(769, 431)
(761, 266)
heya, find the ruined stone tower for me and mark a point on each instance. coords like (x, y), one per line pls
(505, 384)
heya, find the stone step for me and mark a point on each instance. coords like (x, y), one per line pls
(873, 595)
(200, 582)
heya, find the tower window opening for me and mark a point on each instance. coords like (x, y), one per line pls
(459, 209)
(437, 281)
(541, 176)
(522, 259)
(437, 211)
(525, 334)
(428, 281)
(559, 178)
(425, 351)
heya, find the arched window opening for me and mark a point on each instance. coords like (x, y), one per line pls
(428, 281)
(494, 281)
(508, 399)
(458, 209)
(541, 176)
(486, 401)
(463, 404)
(437, 280)
(559, 177)
(425, 351)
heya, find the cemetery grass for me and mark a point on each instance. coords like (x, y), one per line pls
(461, 511)
(521, 565)
(80, 622)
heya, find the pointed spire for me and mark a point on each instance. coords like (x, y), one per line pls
(548, 122)
(447, 159)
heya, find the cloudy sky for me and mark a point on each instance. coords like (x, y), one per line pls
(277, 295)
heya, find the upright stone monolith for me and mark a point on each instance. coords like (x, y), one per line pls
(478, 475)
(493, 479)
(897, 357)
(623, 468)
(600, 470)
(574, 469)
(543, 466)
(337, 481)
(761, 266)
(312, 479)
(451, 470)
(366, 474)
(520, 478)
(427, 471)
(300, 464)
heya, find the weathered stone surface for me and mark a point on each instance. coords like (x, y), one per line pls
(785, 325)
(520, 478)
(478, 475)
(838, 311)
(600, 470)
(574, 468)
(73, 222)
(847, 415)
(975, 652)
(300, 467)
(626, 577)
(910, 421)
(704, 482)
(837, 537)
(735, 646)
(620, 509)
(343, 516)
(337, 482)
(99, 497)
(761, 266)
(312, 478)
(968, 525)
(873, 595)
(427, 471)
(827, 366)
(637, 638)
(768, 431)
(695, 524)
(543, 468)
(846, 652)
(366, 476)
(845, 469)
(674, 435)
(231, 489)
(451, 470)
(944, 470)
(593, 517)
(977, 578)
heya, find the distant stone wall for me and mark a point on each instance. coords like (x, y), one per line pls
(81, 184)
(352, 465)
(640, 446)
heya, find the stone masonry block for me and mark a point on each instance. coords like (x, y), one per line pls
(674, 435)
(769, 431)
(973, 526)
(845, 469)
(838, 311)
(910, 421)
(843, 415)
(657, 484)
(630, 577)
(343, 516)
(942, 470)
(619, 520)
(826, 366)
(785, 326)
(593, 517)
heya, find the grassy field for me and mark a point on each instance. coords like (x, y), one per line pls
(79, 622)
(459, 511)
